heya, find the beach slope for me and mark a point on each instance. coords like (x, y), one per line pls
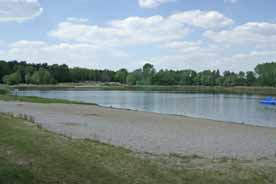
(151, 132)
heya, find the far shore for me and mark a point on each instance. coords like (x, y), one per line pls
(150, 132)
(251, 90)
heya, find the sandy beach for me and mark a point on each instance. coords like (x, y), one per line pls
(151, 132)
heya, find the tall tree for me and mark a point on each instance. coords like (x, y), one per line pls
(148, 73)
(4, 69)
(42, 77)
(135, 77)
(251, 78)
(12, 79)
(267, 74)
(121, 75)
(60, 72)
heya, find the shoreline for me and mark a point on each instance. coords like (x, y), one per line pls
(64, 101)
(254, 124)
(249, 90)
(32, 99)
(185, 116)
(151, 132)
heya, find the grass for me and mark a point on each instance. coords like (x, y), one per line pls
(30, 154)
(190, 89)
(5, 95)
(39, 100)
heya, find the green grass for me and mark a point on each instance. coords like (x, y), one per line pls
(39, 100)
(191, 89)
(29, 154)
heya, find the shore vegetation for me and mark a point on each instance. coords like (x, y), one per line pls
(30, 154)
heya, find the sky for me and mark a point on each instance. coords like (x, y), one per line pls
(112, 34)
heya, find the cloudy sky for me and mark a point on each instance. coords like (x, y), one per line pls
(176, 34)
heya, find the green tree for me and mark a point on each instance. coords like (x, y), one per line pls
(230, 79)
(131, 79)
(148, 73)
(267, 74)
(42, 77)
(121, 75)
(12, 79)
(206, 78)
(105, 76)
(251, 78)
(5, 79)
(187, 77)
(4, 69)
(79, 74)
(136, 77)
(60, 73)
(164, 77)
(241, 79)
(28, 78)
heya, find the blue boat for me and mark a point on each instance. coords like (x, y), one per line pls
(268, 101)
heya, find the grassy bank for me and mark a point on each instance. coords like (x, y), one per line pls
(191, 89)
(39, 100)
(29, 154)
(5, 95)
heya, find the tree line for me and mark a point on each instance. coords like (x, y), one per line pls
(14, 72)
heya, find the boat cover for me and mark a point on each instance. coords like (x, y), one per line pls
(268, 101)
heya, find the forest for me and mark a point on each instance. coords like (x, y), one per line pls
(14, 72)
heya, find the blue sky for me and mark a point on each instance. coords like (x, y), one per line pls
(178, 34)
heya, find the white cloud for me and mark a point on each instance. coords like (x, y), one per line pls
(152, 3)
(78, 20)
(140, 30)
(183, 46)
(184, 55)
(230, 1)
(157, 3)
(213, 60)
(247, 61)
(29, 44)
(258, 34)
(133, 30)
(82, 54)
(190, 60)
(203, 19)
(167, 42)
(19, 10)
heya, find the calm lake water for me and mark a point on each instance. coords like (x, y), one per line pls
(231, 108)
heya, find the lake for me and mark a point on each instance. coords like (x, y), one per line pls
(223, 107)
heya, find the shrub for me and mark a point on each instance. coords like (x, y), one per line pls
(4, 91)
(12, 79)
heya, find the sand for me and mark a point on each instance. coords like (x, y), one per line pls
(151, 132)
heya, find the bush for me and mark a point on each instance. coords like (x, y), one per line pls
(12, 79)
(5, 79)
(42, 77)
(4, 91)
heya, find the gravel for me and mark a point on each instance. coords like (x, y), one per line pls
(151, 132)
